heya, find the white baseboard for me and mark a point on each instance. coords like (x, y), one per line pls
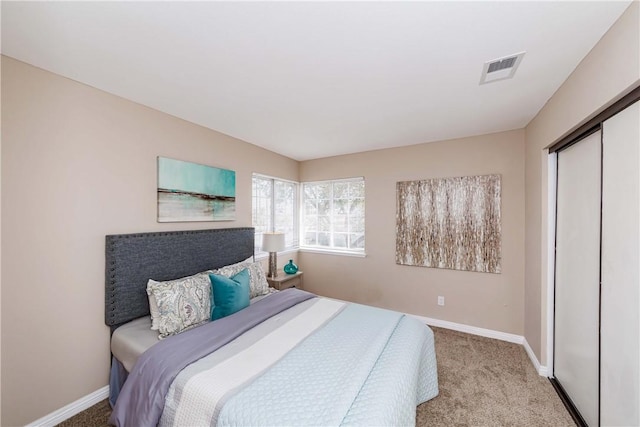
(488, 333)
(71, 409)
(541, 369)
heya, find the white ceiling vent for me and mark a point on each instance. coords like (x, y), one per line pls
(501, 68)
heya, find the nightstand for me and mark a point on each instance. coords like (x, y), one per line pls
(285, 281)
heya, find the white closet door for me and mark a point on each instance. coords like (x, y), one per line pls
(620, 356)
(577, 284)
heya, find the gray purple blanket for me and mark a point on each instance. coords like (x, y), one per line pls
(142, 397)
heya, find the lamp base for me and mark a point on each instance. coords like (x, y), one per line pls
(273, 265)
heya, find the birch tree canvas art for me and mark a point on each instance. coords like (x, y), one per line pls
(451, 223)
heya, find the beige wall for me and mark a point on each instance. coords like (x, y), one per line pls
(607, 72)
(493, 301)
(78, 163)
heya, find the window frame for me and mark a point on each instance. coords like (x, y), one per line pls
(356, 252)
(258, 252)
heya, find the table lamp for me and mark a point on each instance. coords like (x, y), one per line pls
(273, 243)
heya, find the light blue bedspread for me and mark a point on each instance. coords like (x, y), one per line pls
(374, 367)
(302, 361)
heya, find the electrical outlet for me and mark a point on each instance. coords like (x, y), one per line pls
(440, 300)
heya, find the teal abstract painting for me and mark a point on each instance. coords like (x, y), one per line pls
(192, 192)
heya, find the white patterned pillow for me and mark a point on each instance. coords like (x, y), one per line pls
(153, 309)
(182, 303)
(257, 278)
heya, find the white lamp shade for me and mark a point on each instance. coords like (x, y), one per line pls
(273, 242)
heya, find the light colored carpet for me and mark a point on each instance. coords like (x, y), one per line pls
(486, 382)
(483, 382)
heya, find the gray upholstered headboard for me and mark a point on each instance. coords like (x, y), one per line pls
(133, 259)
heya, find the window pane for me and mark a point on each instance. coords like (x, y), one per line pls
(283, 225)
(356, 208)
(324, 191)
(281, 190)
(340, 223)
(356, 223)
(340, 206)
(323, 207)
(341, 190)
(263, 187)
(324, 239)
(340, 240)
(310, 223)
(310, 207)
(356, 189)
(289, 234)
(324, 223)
(309, 192)
(310, 238)
(356, 241)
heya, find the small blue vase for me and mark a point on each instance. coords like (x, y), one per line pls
(291, 268)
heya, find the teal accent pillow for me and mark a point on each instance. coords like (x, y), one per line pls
(230, 294)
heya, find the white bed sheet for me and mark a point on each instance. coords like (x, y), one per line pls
(132, 339)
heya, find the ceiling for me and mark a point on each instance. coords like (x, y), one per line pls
(316, 79)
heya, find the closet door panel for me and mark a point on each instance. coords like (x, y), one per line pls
(620, 355)
(577, 287)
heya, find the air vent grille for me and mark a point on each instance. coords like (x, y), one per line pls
(501, 68)
(501, 65)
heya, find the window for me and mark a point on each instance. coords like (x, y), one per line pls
(333, 215)
(275, 209)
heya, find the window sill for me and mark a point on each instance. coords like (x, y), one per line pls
(333, 252)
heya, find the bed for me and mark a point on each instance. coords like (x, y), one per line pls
(288, 358)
